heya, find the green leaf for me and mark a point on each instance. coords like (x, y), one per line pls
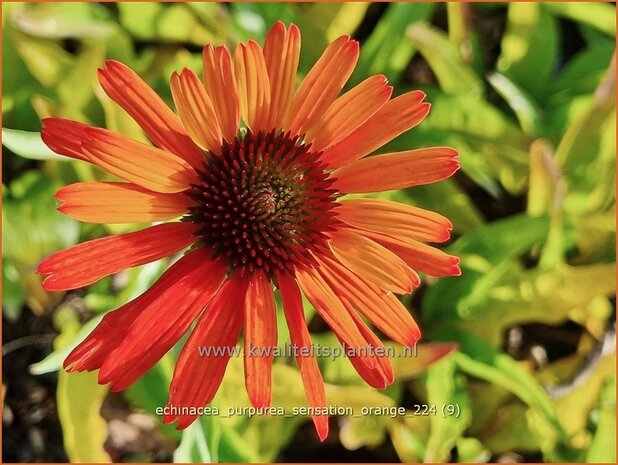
(46, 61)
(193, 447)
(452, 72)
(587, 152)
(446, 388)
(524, 107)
(53, 362)
(62, 20)
(522, 59)
(603, 447)
(601, 16)
(32, 226)
(140, 18)
(386, 51)
(485, 257)
(471, 450)
(28, 145)
(13, 293)
(482, 361)
(79, 398)
(582, 73)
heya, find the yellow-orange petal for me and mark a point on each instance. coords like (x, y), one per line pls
(147, 166)
(260, 339)
(372, 261)
(157, 120)
(307, 364)
(396, 170)
(253, 86)
(380, 307)
(322, 85)
(349, 111)
(221, 87)
(118, 202)
(394, 219)
(331, 309)
(281, 54)
(86, 263)
(64, 136)
(419, 256)
(392, 119)
(196, 110)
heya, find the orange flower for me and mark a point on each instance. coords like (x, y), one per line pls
(256, 170)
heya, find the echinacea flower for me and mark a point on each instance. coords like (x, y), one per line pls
(255, 168)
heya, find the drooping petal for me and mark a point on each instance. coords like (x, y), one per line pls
(253, 86)
(392, 119)
(118, 202)
(299, 335)
(86, 263)
(260, 339)
(198, 374)
(373, 262)
(147, 166)
(382, 375)
(196, 110)
(157, 120)
(221, 86)
(397, 170)
(281, 54)
(322, 85)
(394, 219)
(331, 309)
(152, 334)
(64, 136)
(381, 307)
(91, 353)
(349, 111)
(419, 256)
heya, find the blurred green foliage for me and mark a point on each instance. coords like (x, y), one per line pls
(533, 117)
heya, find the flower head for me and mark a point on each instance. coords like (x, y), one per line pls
(256, 170)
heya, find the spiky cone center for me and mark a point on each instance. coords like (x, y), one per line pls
(264, 202)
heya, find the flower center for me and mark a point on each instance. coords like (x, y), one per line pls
(263, 203)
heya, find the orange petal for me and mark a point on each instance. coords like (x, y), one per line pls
(64, 136)
(253, 85)
(349, 111)
(382, 375)
(392, 119)
(322, 85)
(196, 110)
(157, 120)
(373, 262)
(396, 170)
(331, 309)
(86, 263)
(147, 166)
(382, 308)
(281, 54)
(149, 336)
(260, 339)
(419, 256)
(93, 351)
(118, 202)
(221, 87)
(197, 377)
(299, 335)
(394, 219)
